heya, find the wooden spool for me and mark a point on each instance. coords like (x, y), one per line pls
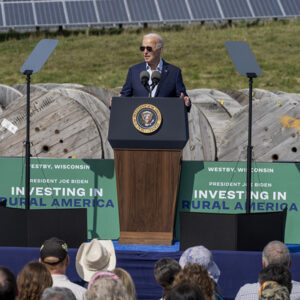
(71, 120)
(60, 127)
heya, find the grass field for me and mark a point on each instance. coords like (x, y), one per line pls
(199, 51)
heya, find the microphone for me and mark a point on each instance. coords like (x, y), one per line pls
(144, 77)
(155, 77)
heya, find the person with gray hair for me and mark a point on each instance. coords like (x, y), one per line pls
(106, 286)
(275, 252)
(154, 77)
(57, 293)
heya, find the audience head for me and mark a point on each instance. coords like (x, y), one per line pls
(127, 281)
(165, 270)
(203, 257)
(54, 254)
(95, 256)
(32, 280)
(104, 286)
(198, 275)
(8, 284)
(58, 293)
(185, 291)
(276, 252)
(271, 290)
(277, 273)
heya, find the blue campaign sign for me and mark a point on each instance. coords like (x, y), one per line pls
(39, 56)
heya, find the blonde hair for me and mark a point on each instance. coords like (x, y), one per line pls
(127, 281)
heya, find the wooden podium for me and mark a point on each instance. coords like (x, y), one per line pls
(147, 167)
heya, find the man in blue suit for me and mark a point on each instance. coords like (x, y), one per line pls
(170, 84)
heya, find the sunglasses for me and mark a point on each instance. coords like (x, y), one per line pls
(148, 48)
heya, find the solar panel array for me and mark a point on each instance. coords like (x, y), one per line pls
(50, 13)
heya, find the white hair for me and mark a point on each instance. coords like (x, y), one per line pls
(276, 252)
(160, 41)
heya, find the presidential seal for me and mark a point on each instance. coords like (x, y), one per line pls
(146, 118)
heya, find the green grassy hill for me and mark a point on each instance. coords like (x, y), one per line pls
(103, 60)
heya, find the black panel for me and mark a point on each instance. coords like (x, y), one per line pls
(213, 231)
(13, 228)
(255, 230)
(81, 12)
(29, 228)
(18, 14)
(50, 13)
(142, 10)
(235, 8)
(242, 232)
(204, 9)
(291, 7)
(178, 10)
(112, 11)
(46, 223)
(266, 8)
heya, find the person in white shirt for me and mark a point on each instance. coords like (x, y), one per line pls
(54, 254)
(275, 252)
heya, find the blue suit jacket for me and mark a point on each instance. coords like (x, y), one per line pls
(170, 85)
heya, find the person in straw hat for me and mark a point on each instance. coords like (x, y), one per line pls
(95, 256)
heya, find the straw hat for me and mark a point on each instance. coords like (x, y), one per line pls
(95, 256)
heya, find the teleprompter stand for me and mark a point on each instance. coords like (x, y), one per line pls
(244, 232)
(33, 64)
(246, 64)
(19, 227)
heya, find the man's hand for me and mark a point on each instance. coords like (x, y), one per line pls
(186, 99)
(110, 100)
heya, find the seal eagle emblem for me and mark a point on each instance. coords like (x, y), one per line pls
(146, 118)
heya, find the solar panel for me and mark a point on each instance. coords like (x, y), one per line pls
(235, 8)
(179, 10)
(81, 12)
(15, 0)
(27, 14)
(18, 14)
(142, 10)
(50, 13)
(204, 9)
(1, 20)
(266, 8)
(291, 7)
(112, 11)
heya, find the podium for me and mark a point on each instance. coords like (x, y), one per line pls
(147, 135)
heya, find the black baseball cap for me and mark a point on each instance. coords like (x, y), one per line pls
(55, 248)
